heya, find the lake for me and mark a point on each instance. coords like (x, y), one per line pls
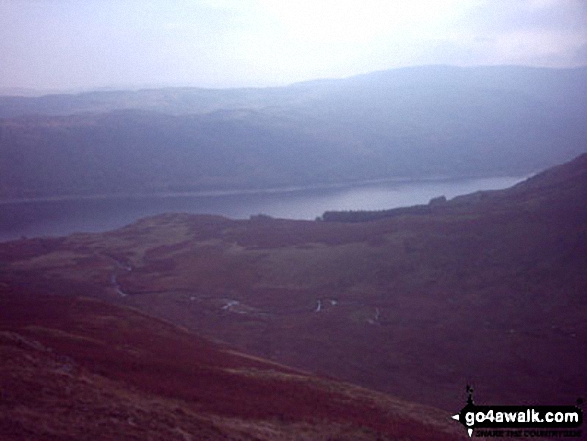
(63, 217)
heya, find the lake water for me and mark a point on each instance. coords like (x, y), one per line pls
(62, 217)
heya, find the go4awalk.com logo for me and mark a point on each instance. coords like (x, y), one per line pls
(520, 421)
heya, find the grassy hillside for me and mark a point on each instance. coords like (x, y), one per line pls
(487, 289)
(76, 368)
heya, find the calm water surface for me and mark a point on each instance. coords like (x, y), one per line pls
(58, 218)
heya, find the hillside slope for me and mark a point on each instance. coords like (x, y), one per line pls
(487, 289)
(76, 368)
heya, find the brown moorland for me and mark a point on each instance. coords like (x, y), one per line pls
(77, 368)
(487, 289)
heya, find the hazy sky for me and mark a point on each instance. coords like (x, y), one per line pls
(72, 44)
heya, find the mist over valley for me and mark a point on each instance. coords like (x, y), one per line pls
(397, 281)
(302, 221)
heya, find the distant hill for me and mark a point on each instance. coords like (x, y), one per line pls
(486, 289)
(434, 121)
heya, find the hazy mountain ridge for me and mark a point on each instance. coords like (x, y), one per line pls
(563, 84)
(485, 289)
(412, 123)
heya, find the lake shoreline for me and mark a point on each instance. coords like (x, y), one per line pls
(258, 191)
(62, 216)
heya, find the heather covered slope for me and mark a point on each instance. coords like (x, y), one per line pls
(434, 121)
(487, 289)
(76, 368)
